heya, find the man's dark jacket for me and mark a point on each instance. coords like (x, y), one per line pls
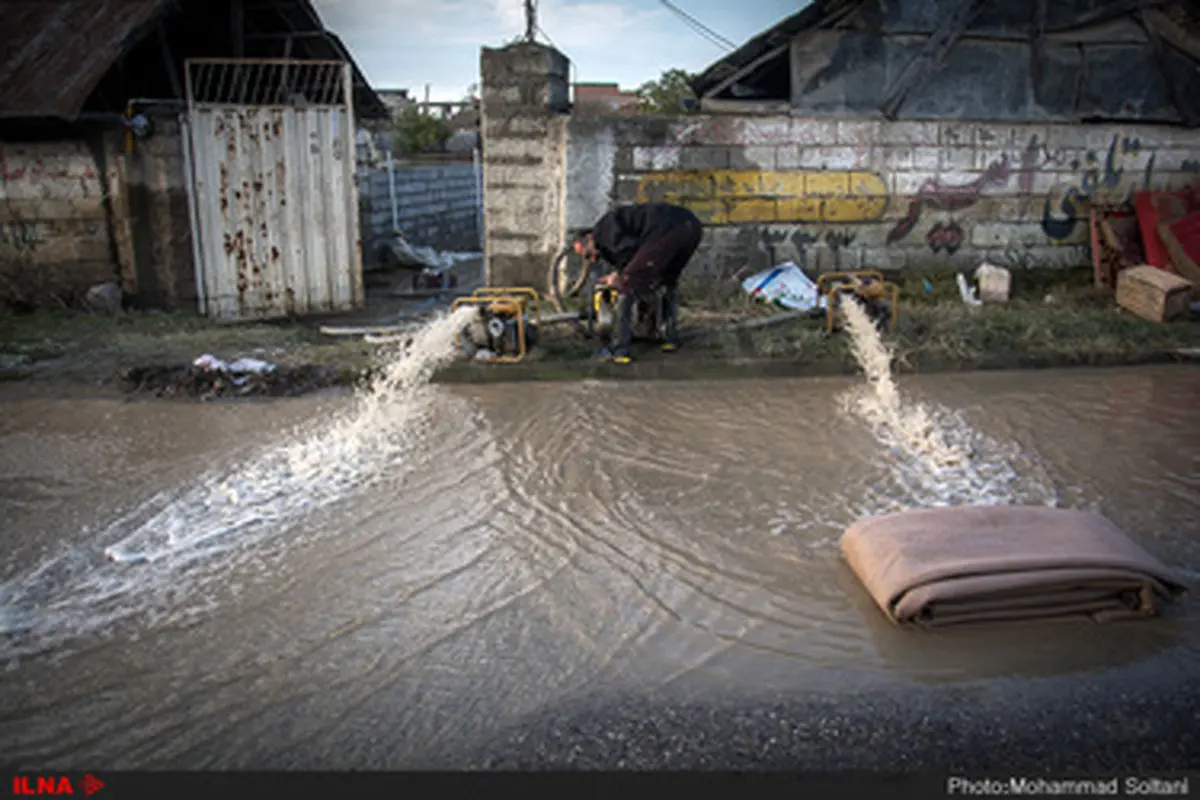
(620, 232)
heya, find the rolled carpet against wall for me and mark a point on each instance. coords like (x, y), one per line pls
(976, 564)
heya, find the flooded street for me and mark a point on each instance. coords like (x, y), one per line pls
(593, 574)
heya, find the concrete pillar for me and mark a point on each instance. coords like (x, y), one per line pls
(524, 109)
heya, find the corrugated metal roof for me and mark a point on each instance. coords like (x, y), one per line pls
(53, 53)
(781, 33)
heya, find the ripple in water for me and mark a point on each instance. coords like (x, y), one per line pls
(138, 564)
(932, 455)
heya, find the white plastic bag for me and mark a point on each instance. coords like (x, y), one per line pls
(786, 285)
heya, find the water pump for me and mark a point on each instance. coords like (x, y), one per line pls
(506, 326)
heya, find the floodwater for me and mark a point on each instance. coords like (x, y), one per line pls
(314, 584)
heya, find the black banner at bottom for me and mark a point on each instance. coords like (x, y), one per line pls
(564, 785)
(568, 785)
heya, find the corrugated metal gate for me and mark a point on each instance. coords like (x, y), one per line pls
(269, 150)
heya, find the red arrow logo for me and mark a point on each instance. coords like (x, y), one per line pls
(92, 784)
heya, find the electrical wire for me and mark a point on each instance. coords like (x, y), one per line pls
(698, 26)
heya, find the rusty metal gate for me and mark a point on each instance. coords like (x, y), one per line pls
(269, 152)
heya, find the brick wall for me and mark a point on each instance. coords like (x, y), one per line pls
(438, 205)
(867, 194)
(55, 240)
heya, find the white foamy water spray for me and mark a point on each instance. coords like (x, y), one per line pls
(933, 456)
(139, 563)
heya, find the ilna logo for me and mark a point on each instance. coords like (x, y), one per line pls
(55, 784)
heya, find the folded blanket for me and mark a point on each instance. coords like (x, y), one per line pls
(948, 566)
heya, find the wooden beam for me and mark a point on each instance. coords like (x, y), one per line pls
(746, 106)
(1160, 56)
(926, 62)
(1172, 34)
(753, 65)
(1108, 11)
(1038, 50)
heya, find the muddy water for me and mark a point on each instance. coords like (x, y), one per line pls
(172, 597)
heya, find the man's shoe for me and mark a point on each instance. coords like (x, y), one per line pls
(615, 356)
(670, 347)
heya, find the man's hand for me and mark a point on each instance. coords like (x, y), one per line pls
(608, 280)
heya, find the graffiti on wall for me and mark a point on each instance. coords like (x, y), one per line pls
(935, 194)
(19, 236)
(1098, 181)
(945, 238)
(802, 240)
(747, 196)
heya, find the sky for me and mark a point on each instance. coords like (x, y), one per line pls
(407, 44)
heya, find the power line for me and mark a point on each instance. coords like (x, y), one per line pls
(698, 26)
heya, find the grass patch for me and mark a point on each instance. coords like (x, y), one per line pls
(1055, 317)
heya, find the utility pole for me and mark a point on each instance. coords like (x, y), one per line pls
(530, 20)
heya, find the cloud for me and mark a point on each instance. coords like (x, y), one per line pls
(414, 42)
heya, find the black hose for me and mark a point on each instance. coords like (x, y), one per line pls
(556, 293)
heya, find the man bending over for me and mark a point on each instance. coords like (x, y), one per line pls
(649, 245)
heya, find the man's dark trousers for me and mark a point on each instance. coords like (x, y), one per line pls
(657, 264)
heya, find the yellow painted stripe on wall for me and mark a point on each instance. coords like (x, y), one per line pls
(733, 196)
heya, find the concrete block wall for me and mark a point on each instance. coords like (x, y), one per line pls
(524, 97)
(438, 205)
(849, 194)
(151, 221)
(55, 240)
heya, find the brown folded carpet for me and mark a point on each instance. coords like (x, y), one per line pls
(950, 566)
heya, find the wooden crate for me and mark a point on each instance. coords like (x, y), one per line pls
(1153, 294)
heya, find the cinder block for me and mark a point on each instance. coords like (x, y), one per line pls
(926, 159)
(956, 134)
(704, 158)
(1006, 234)
(814, 132)
(912, 134)
(834, 158)
(957, 159)
(985, 157)
(753, 158)
(765, 132)
(897, 158)
(907, 184)
(858, 132)
(787, 157)
(882, 258)
(656, 159)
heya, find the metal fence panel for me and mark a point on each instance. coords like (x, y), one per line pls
(274, 197)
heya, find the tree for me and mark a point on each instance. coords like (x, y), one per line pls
(417, 132)
(667, 95)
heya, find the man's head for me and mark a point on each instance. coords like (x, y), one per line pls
(585, 245)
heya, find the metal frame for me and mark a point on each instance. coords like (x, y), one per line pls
(855, 283)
